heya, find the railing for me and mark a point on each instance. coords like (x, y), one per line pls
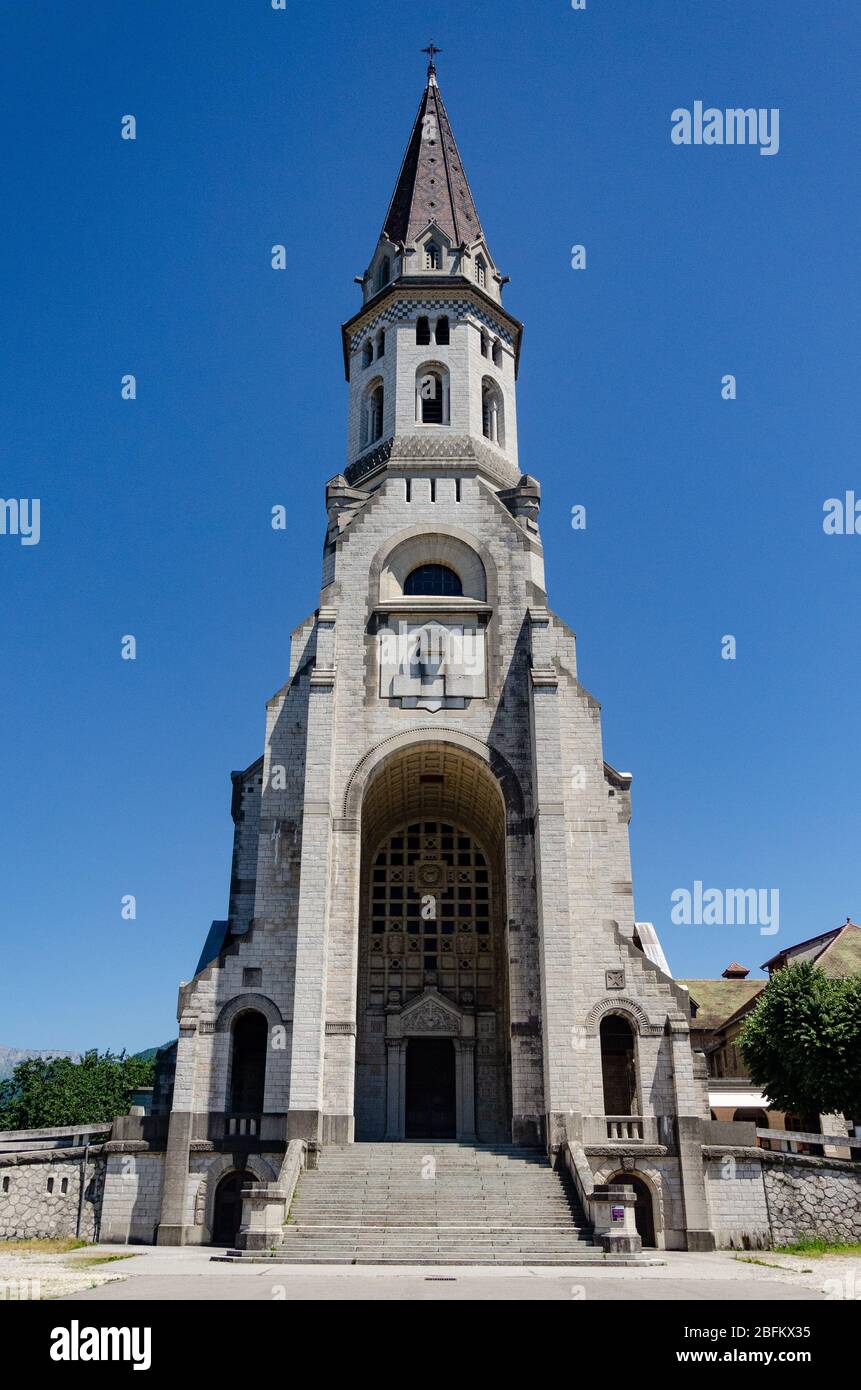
(242, 1126)
(794, 1136)
(624, 1127)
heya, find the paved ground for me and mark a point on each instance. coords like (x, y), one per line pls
(183, 1274)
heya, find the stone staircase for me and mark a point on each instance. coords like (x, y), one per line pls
(436, 1204)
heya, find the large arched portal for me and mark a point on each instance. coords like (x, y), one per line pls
(432, 963)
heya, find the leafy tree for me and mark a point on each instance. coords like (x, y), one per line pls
(44, 1092)
(802, 1042)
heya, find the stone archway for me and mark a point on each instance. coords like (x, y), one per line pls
(433, 960)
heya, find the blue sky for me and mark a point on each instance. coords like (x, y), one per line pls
(704, 515)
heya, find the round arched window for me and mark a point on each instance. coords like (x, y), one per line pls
(433, 580)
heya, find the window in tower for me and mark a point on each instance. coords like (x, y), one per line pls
(433, 256)
(385, 273)
(497, 353)
(381, 343)
(481, 272)
(492, 413)
(485, 344)
(367, 354)
(423, 335)
(432, 396)
(443, 336)
(373, 421)
(435, 581)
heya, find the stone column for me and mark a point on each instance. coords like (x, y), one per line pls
(551, 849)
(304, 1114)
(177, 1222)
(698, 1236)
(395, 1087)
(465, 1088)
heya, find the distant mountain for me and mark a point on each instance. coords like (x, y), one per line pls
(11, 1056)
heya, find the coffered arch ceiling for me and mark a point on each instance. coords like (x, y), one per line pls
(430, 781)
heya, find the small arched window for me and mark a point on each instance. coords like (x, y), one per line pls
(423, 331)
(434, 580)
(492, 413)
(432, 396)
(433, 257)
(497, 353)
(385, 273)
(443, 333)
(481, 272)
(381, 343)
(485, 344)
(373, 421)
(367, 354)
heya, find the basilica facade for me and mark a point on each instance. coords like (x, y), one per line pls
(431, 930)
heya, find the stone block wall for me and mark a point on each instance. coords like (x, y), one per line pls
(132, 1203)
(737, 1202)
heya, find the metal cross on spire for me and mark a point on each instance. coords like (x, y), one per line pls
(431, 51)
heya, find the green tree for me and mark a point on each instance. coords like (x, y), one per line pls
(43, 1092)
(802, 1042)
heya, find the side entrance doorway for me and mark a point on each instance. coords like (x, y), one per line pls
(227, 1215)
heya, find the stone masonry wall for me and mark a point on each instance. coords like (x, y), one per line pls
(812, 1197)
(39, 1194)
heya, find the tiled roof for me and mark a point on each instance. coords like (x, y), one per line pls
(718, 1000)
(837, 952)
(432, 185)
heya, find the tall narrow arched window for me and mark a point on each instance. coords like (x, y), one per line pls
(492, 413)
(423, 331)
(443, 334)
(433, 256)
(373, 414)
(432, 395)
(618, 1066)
(248, 1063)
(485, 344)
(367, 353)
(433, 580)
(481, 272)
(381, 343)
(385, 273)
(497, 353)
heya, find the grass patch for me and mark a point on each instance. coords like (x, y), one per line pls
(87, 1261)
(818, 1246)
(55, 1245)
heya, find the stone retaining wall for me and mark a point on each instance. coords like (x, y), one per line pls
(812, 1197)
(39, 1194)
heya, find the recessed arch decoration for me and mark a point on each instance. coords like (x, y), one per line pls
(433, 394)
(429, 546)
(629, 1008)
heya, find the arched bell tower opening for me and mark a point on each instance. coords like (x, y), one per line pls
(433, 1051)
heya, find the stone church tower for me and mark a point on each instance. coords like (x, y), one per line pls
(431, 925)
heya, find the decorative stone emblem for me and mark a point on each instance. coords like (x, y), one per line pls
(430, 1018)
(429, 875)
(432, 665)
(615, 979)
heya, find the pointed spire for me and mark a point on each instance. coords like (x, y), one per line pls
(432, 184)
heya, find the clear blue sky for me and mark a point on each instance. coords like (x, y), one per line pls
(704, 516)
